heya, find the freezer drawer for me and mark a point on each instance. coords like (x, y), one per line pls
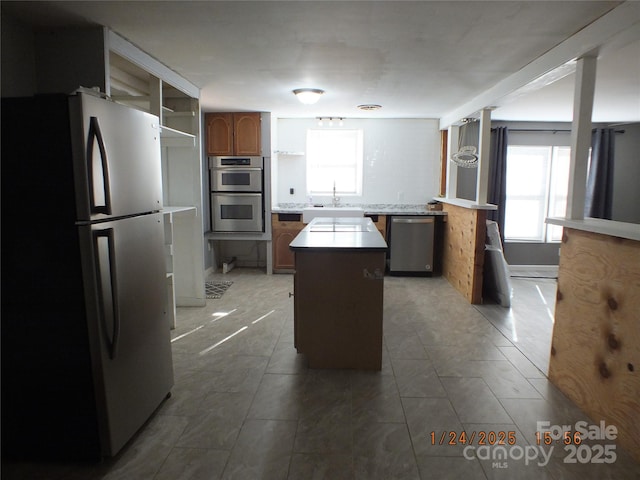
(411, 240)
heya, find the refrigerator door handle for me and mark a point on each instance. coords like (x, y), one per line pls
(109, 312)
(96, 135)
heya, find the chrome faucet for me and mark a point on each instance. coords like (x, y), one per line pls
(335, 199)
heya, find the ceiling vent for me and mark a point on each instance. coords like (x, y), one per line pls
(368, 107)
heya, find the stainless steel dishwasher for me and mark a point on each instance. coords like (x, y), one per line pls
(412, 239)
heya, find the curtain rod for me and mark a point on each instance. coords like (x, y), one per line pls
(556, 130)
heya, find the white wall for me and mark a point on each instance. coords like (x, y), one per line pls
(401, 161)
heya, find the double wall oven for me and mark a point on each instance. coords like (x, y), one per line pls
(237, 194)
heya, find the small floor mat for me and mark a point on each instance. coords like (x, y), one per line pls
(216, 289)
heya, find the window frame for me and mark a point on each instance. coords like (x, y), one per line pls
(545, 229)
(357, 165)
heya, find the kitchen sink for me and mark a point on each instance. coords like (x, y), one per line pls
(309, 213)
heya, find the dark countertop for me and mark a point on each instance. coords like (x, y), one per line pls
(369, 209)
(335, 234)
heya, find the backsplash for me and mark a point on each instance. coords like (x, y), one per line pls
(369, 208)
(401, 163)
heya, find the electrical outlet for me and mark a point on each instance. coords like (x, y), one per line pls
(291, 191)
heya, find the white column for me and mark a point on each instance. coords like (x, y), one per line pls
(155, 92)
(581, 135)
(484, 152)
(452, 168)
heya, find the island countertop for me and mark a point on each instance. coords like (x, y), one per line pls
(345, 233)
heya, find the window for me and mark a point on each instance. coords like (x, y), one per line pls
(334, 159)
(537, 185)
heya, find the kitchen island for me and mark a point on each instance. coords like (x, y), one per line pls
(338, 293)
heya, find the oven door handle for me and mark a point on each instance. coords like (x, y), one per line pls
(237, 194)
(237, 169)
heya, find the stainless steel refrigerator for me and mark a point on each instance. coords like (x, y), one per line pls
(86, 352)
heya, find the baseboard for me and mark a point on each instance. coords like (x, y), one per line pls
(190, 302)
(534, 271)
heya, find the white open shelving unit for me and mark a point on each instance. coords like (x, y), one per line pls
(130, 76)
(96, 57)
(138, 80)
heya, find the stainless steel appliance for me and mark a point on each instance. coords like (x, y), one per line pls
(86, 352)
(237, 212)
(237, 194)
(411, 244)
(236, 174)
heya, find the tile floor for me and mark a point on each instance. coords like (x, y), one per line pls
(244, 405)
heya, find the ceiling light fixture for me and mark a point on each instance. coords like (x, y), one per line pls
(331, 119)
(308, 96)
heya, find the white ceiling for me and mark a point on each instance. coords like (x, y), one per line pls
(417, 59)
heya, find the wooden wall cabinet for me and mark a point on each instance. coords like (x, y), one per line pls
(285, 228)
(233, 133)
(219, 133)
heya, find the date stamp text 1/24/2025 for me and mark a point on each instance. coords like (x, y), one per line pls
(500, 446)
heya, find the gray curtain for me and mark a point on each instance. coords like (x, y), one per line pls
(497, 193)
(599, 197)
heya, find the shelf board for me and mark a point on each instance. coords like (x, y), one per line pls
(170, 113)
(289, 153)
(140, 102)
(170, 137)
(177, 209)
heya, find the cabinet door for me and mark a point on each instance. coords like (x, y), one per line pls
(219, 133)
(283, 257)
(246, 139)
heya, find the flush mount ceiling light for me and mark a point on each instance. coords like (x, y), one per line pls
(308, 96)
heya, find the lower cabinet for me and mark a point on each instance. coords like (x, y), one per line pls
(380, 221)
(285, 227)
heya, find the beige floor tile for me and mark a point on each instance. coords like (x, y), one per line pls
(249, 408)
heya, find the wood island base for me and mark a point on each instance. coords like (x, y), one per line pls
(338, 309)
(338, 298)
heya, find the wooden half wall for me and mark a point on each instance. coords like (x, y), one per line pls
(463, 251)
(595, 352)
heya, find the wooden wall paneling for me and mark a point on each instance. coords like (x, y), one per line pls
(463, 251)
(595, 353)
